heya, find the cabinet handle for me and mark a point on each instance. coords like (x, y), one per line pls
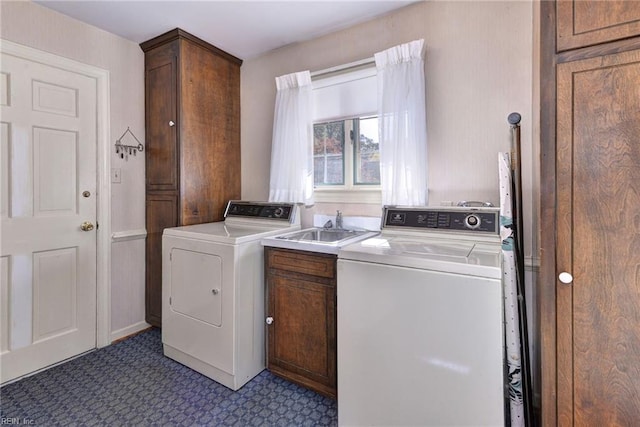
(565, 277)
(269, 320)
(215, 291)
(171, 123)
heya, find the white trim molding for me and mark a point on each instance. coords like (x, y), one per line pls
(123, 236)
(103, 232)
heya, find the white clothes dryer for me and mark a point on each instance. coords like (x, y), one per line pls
(213, 290)
(420, 321)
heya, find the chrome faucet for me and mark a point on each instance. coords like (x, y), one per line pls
(338, 219)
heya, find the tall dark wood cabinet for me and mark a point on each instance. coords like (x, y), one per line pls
(589, 282)
(192, 102)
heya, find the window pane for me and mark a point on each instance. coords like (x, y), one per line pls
(328, 153)
(367, 152)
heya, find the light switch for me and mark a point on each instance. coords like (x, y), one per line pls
(115, 175)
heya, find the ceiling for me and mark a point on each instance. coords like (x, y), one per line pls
(244, 28)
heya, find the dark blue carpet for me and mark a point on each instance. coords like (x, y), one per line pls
(132, 384)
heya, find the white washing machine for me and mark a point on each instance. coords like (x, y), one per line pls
(213, 290)
(420, 321)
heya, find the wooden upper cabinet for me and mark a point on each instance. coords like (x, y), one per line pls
(192, 124)
(583, 23)
(161, 112)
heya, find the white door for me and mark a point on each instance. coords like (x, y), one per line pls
(48, 263)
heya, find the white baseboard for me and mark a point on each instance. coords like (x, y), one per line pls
(129, 330)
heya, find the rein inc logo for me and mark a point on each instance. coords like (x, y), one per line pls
(15, 421)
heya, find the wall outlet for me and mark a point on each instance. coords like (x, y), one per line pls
(116, 175)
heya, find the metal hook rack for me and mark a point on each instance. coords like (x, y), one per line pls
(126, 150)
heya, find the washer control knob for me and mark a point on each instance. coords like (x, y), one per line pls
(269, 320)
(472, 221)
(278, 212)
(565, 277)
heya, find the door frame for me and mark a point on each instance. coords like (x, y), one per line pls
(546, 336)
(103, 184)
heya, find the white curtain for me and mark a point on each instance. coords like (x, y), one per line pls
(292, 144)
(403, 128)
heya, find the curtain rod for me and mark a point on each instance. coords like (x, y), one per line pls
(343, 67)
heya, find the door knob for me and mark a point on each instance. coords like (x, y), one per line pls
(565, 277)
(86, 226)
(269, 320)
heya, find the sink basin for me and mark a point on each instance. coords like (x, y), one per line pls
(322, 235)
(316, 239)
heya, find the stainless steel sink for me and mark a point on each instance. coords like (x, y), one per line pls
(322, 235)
(318, 239)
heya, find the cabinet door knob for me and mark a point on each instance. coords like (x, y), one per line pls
(171, 123)
(215, 291)
(269, 320)
(565, 277)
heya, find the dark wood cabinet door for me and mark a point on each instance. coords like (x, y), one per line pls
(301, 341)
(162, 212)
(161, 121)
(584, 23)
(598, 240)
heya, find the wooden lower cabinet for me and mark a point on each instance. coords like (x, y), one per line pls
(161, 213)
(301, 300)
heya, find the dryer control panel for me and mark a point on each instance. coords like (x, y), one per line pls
(484, 220)
(264, 210)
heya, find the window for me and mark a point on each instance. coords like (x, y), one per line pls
(346, 148)
(349, 161)
(366, 152)
(328, 153)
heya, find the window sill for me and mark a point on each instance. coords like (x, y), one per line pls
(341, 195)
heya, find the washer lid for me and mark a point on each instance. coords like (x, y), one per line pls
(447, 255)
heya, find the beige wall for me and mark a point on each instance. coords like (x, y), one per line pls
(478, 69)
(35, 26)
(479, 65)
